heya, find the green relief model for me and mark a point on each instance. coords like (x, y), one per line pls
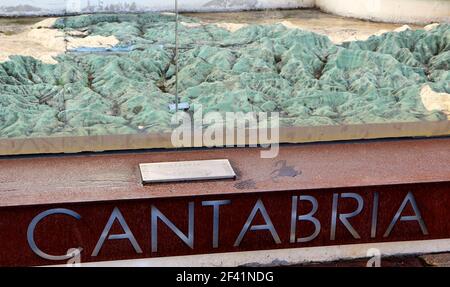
(302, 75)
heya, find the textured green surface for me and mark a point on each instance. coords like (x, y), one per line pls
(302, 75)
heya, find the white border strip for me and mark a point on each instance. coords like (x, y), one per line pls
(285, 256)
(395, 11)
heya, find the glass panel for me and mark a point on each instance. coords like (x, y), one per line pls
(327, 77)
(102, 75)
(72, 83)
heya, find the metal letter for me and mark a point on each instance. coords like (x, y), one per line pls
(417, 217)
(373, 231)
(32, 226)
(344, 217)
(116, 214)
(259, 206)
(156, 214)
(307, 217)
(216, 215)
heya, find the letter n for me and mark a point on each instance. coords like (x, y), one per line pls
(157, 215)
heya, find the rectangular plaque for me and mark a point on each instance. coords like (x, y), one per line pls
(186, 171)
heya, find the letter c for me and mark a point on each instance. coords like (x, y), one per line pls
(32, 226)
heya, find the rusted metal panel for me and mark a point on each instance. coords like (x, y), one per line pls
(100, 177)
(57, 233)
(341, 177)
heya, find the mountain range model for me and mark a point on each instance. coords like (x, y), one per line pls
(302, 75)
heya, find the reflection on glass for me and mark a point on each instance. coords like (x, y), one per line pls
(88, 75)
(316, 69)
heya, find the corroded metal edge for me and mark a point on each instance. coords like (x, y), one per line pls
(113, 176)
(77, 144)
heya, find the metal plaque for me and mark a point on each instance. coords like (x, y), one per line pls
(186, 171)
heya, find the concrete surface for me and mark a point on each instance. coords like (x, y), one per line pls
(436, 260)
(426, 260)
(396, 254)
(407, 11)
(396, 11)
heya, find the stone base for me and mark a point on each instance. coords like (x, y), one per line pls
(314, 202)
(395, 11)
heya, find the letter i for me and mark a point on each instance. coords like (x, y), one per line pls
(373, 231)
